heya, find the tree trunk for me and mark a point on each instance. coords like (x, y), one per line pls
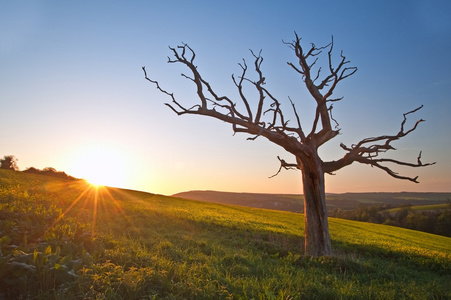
(317, 238)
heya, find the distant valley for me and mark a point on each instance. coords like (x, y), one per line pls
(294, 202)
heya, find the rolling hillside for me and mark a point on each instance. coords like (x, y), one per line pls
(67, 239)
(294, 203)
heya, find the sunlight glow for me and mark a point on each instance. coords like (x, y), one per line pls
(101, 165)
(102, 203)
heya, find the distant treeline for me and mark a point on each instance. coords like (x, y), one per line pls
(432, 221)
(9, 162)
(50, 172)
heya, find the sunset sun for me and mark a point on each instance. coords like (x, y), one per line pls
(101, 165)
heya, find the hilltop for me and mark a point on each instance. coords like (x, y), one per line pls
(294, 203)
(68, 239)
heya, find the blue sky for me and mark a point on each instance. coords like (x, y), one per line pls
(74, 98)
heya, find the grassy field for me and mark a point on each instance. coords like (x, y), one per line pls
(69, 240)
(422, 207)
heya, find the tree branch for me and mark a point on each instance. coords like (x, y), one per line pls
(223, 108)
(178, 112)
(285, 165)
(319, 135)
(368, 150)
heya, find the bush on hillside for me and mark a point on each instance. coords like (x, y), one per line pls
(50, 172)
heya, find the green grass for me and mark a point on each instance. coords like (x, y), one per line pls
(422, 207)
(66, 240)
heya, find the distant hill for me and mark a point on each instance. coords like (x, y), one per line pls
(283, 202)
(294, 203)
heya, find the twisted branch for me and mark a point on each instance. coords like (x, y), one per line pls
(284, 165)
(368, 150)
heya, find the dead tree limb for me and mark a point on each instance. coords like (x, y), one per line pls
(367, 151)
(286, 166)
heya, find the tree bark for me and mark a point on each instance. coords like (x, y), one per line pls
(316, 233)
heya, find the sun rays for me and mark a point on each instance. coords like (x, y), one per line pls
(97, 205)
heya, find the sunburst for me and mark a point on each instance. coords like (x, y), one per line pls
(99, 202)
(101, 164)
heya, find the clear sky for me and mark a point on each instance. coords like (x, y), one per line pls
(73, 96)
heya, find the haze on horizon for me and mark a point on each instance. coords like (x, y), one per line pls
(74, 97)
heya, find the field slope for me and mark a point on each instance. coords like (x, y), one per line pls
(67, 239)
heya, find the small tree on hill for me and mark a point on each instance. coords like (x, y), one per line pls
(264, 117)
(9, 162)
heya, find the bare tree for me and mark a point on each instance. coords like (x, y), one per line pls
(268, 120)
